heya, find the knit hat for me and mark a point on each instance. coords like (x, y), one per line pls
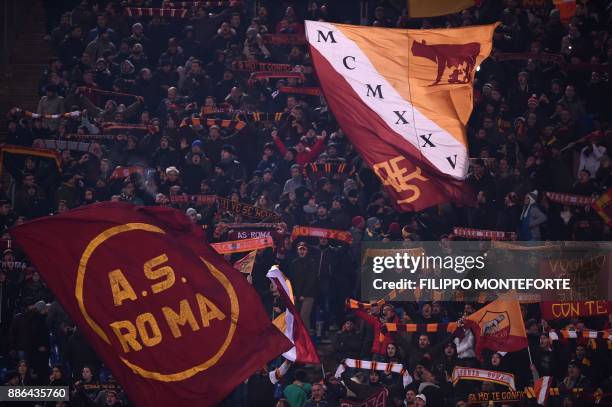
(191, 211)
(357, 220)
(172, 169)
(394, 229)
(421, 396)
(197, 143)
(373, 221)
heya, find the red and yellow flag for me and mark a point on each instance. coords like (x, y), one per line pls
(246, 263)
(403, 97)
(170, 317)
(499, 325)
(567, 9)
(603, 206)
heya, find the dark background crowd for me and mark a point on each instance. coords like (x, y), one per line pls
(539, 125)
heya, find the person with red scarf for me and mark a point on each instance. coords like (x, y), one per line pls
(376, 322)
(304, 155)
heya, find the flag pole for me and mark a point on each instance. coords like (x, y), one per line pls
(322, 371)
(530, 359)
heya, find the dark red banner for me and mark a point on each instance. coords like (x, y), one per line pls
(175, 322)
(378, 399)
(573, 309)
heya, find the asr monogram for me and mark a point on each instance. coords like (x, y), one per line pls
(391, 174)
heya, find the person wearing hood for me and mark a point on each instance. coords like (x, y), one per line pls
(101, 44)
(127, 71)
(372, 231)
(103, 76)
(531, 218)
(295, 181)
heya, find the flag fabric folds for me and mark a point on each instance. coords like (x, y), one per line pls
(403, 98)
(246, 263)
(499, 325)
(541, 389)
(175, 323)
(567, 9)
(304, 350)
(428, 8)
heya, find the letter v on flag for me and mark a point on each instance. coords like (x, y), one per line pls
(403, 98)
(176, 324)
(304, 350)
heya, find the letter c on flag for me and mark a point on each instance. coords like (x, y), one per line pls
(345, 64)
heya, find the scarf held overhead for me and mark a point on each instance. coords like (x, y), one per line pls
(470, 233)
(334, 234)
(375, 366)
(468, 373)
(245, 245)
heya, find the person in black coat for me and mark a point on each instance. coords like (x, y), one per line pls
(305, 281)
(348, 342)
(193, 174)
(260, 389)
(508, 218)
(38, 354)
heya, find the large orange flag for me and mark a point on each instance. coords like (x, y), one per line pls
(499, 326)
(403, 97)
(176, 323)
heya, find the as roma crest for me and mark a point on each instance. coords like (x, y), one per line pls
(495, 325)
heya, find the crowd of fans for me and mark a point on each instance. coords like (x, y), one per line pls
(539, 124)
